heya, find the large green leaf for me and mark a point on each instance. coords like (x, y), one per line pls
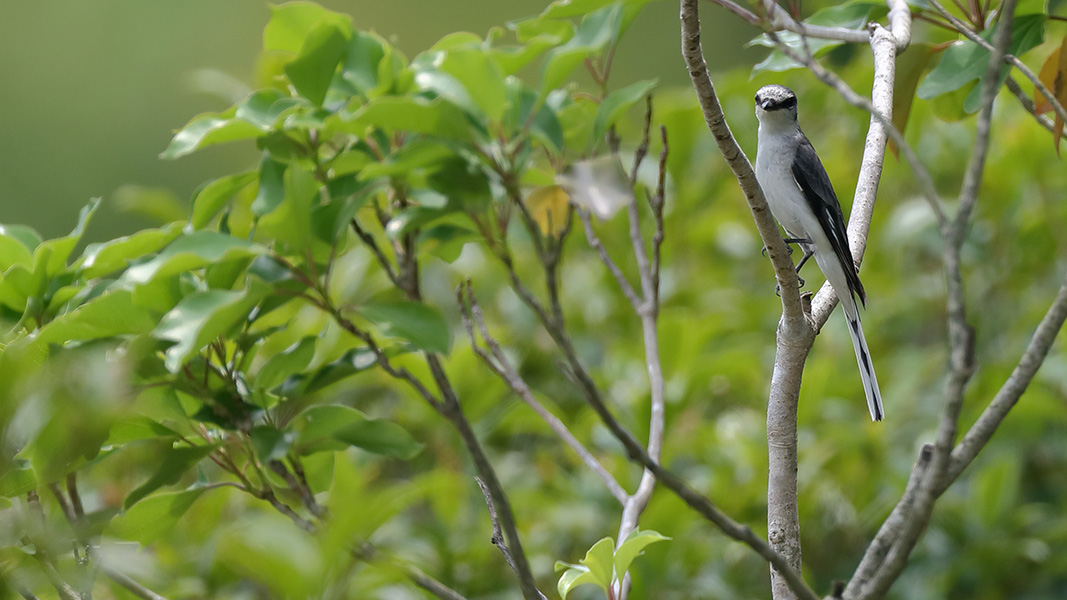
(413, 114)
(479, 76)
(633, 546)
(616, 103)
(596, 31)
(285, 364)
(108, 315)
(209, 129)
(52, 254)
(418, 323)
(108, 257)
(193, 251)
(13, 251)
(596, 568)
(170, 470)
(966, 61)
(203, 316)
(314, 68)
(210, 199)
(290, 24)
(851, 15)
(151, 518)
(334, 427)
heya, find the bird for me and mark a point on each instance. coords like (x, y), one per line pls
(802, 200)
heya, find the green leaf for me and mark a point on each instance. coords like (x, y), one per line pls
(290, 222)
(360, 68)
(108, 315)
(108, 257)
(380, 437)
(53, 254)
(1027, 32)
(176, 462)
(263, 107)
(564, 9)
(966, 61)
(209, 129)
(633, 547)
(153, 517)
(418, 323)
(412, 114)
(594, 33)
(313, 69)
(290, 24)
(285, 364)
(412, 155)
(203, 316)
(574, 576)
(270, 443)
(617, 102)
(16, 482)
(852, 15)
(480, 77)
(352, 362)
(12, 250)
(213, 196)
(193, 251)
(271, 190)
(27, 235)
(600, 560)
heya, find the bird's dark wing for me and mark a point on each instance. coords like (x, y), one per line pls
(819, 192)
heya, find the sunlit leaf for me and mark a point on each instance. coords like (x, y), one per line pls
(209, 129)
(633, 547)
(291, 22)
(153, 517)
(201, 317)
(108, 315)
(313, 69)
(191, 251)
(213, 196)
(108, 257)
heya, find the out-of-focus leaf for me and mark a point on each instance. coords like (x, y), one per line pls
(411, 156)
(270, 550)
(1054, 76)
(151, 518)
(270, 443)
(176, 462)
(290, 222)
(412, 114)
(213, 196)
(203, 316)
(599, 185)
(158, 205)
(596, 31)
(418, 323)
(618, 101)
(851, 15)
(910, 67)
(996, 490)
(633, 547)
(313, 69)
(360, 68)
(290, 24)
(463, 182)
(13, 251)
(480, 77)
(16, 482)
(966, 61)
(380, 437)
(548, 205)
(192, 251)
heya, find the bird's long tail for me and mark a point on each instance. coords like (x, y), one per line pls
(863, 358)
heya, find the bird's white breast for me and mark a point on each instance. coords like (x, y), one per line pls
(774, 171)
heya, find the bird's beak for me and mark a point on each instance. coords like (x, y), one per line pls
(765, 104)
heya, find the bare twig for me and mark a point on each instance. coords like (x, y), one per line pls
(498, 537)
(499, 363)
(131, 586)
(613, 268)
(368, 552)
(369, 241)
(1030, 107)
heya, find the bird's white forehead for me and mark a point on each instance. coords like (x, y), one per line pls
(774, 92)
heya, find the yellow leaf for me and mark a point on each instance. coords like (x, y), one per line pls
(548, 206)
(1054, 76)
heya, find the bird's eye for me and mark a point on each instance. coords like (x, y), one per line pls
(789, 102)
(757, 98)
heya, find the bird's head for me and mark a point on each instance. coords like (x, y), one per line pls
(776, 105)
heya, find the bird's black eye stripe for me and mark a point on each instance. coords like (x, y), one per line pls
(789, 102)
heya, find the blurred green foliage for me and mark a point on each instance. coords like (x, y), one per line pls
(170, 367)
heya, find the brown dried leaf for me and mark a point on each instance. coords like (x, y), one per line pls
(1054, 76)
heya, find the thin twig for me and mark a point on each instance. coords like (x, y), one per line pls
(132, 586)
(1030, 107)
(472, 315)
(498, 535)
